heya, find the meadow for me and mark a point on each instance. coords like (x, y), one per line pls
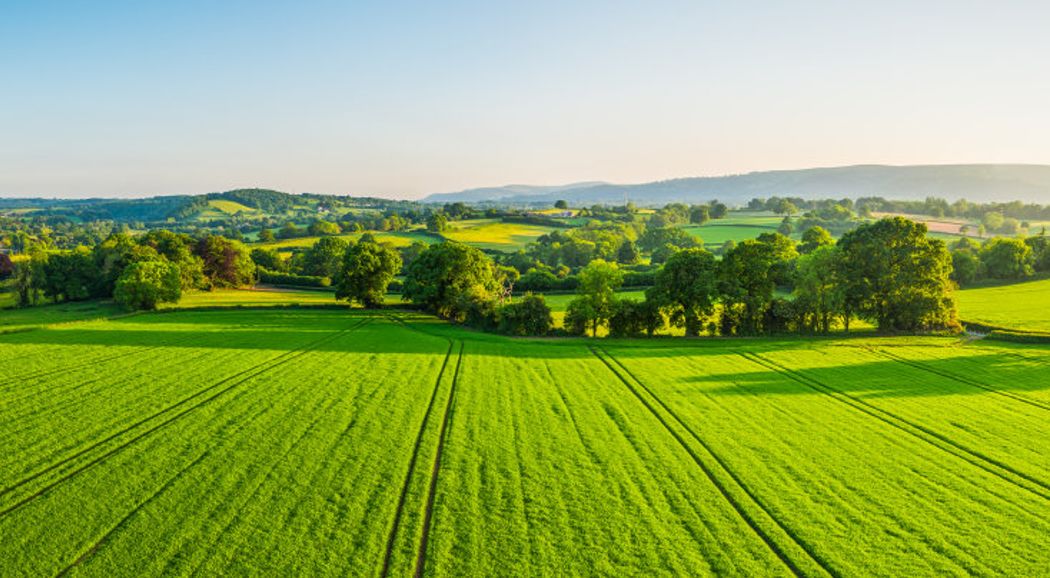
(1019, 306)
(494, 234)
(292, 441)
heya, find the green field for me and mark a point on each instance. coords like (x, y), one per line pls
(1021, 306)
(737, 226)
(494, 234)
(328, 442)
(397, 239)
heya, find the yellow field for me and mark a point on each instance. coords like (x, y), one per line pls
(493, 234)
(230, 207)
(399, 239)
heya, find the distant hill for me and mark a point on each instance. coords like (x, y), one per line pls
(983, 183)
(499, 193)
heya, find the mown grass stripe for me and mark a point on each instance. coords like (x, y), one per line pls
(772, 543)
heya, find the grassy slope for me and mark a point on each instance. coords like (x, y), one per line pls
(1021, 306)
(397, 239)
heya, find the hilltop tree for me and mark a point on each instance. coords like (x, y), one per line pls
(897, 277)
(367, 270)
(687, 286)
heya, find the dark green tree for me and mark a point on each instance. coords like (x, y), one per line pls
(447, 277)
(367, 270)
(687, 287)
(145, 284)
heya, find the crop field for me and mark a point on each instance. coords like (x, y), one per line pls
(335, 442)
(493, 234)
(1021, 306)
(397, 239)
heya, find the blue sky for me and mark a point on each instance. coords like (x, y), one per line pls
(406, 98)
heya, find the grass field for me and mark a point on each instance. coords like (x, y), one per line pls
(306, 442)
(494, 234)
(737, 226)
(1021, 306)
(397, 239)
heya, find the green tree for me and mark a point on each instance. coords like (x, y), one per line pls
(897, 277)
(447, 277)
(746, 283)
(718, 210)
(71, 276)
(561, 204)
(289, 231)
(367, 270)
(966, 266)
(687, 286)
(1003, 258)
(324, 258)
(699, 214)
(266, 236)
(819, 291)
(145, 284)
(814, 238)
(599, 281)
(437, 222)
(627, 254)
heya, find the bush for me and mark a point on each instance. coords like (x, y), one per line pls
(529, 317)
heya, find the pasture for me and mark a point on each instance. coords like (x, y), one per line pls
(737, 226)
(494, 234)
(335, 442)
(1020, 306)
(394, 238)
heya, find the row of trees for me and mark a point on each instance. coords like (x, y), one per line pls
(1000, 258)
(140, 272)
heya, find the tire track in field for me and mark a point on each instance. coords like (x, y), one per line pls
(392, 539)
(923, 433)
(98, 544)
(273, 465)
(236, 379)
(429, 511)
(709, 471)
(963, 380)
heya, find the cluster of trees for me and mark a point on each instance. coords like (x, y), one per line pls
(888, 273)
(999, 258)
(140, 272)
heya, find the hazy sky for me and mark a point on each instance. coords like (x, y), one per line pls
(405, 98)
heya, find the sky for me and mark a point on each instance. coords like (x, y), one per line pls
(401, 99)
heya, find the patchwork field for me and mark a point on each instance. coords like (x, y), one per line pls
(324, 442)
(397, 239)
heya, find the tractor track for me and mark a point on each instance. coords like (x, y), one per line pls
(963, 380)
(937, 440)
(392, 539)
(432, 493)
(708, 471)
(236, 379)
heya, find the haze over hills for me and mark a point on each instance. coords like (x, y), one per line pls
(975, 182)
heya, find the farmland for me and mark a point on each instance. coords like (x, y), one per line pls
(493, 234)
(308, 441)
(1021, 306)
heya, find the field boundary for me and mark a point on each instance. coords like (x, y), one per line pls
(428, 516)
(937, 440)
(818, 565)
(392, 539)
(963, 380)
(237, 378)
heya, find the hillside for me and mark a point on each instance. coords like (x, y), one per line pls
(984, 182)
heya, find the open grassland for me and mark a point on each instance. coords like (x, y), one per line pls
(1020, 306)
(317, 442)
(494, 234)
(32, 317)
